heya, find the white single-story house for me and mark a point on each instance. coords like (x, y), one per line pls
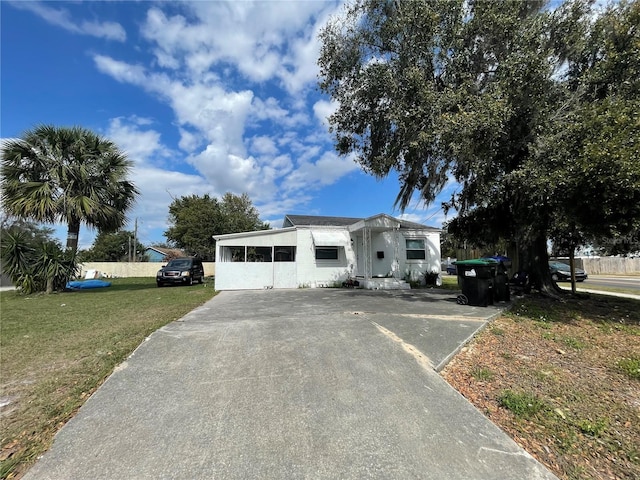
(311, 251)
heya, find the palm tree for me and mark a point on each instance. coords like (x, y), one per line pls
(66, 174)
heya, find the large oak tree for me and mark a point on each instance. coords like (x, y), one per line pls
(482, 92)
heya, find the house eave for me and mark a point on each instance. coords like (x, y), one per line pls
(256, 233)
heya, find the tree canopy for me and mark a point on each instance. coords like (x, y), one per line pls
(72, 175)
(113, 247)
(194, 220)
(532, 111)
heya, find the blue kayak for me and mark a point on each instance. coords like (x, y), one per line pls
(87, 284)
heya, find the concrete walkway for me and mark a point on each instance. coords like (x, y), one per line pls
(289, 384)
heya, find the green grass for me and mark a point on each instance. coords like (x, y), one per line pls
(57, 349)
(602, 288)
(449, 282)
(482, 374)
(522, 404)
(630, 367)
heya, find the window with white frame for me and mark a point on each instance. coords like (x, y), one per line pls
(259, 254)
(326, 253)
(415, 249)
(238, 254)
(284, 254)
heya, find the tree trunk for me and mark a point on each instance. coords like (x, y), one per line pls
(49, 285)
(72, 235)
(535, 261)
(572, 266)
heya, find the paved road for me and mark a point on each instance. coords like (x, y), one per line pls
(292, 384)
(622, 282)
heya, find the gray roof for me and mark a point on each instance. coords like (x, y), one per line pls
(414, 226)
(294, 220)
(307, 220)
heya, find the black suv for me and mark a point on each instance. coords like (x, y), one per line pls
(183, 271)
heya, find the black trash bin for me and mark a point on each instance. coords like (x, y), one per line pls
(476, 279)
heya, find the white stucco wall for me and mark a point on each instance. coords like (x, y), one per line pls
(256, 275)
(321, 273)
(383, 242)
(415, 269)
(306, 271)
(137, 269)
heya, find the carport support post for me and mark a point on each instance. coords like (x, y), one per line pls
(366, 240)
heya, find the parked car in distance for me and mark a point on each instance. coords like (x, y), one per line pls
(180, 271)
(561, 272)
(452, 270)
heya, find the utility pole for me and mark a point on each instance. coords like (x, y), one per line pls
(135, 241)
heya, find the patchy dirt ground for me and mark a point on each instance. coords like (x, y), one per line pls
(563, 379)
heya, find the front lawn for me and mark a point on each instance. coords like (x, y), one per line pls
(57, 349)
(563, 379)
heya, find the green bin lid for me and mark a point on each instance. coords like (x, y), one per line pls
(483, 262)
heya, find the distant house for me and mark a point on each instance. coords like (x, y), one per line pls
(380, 252)
(161, 254)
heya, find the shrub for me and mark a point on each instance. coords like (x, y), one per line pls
(38, 267)
(521, 404)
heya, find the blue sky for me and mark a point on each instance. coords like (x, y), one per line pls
(205, 98)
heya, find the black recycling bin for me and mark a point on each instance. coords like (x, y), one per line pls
(477, 280)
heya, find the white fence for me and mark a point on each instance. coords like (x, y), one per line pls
(137, 269)
(609, 265)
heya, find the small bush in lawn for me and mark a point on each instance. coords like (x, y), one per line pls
(630, 367)
(595, 429)
(521, 404)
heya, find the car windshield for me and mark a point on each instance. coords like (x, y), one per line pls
(179, 263)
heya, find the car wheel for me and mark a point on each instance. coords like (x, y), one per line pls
(159, 284)
(190, 281)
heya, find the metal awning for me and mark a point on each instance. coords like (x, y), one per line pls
(335, 238)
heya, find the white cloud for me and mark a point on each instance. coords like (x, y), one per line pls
(220, 66)
(61, 17)
(121, 71)
(299, 67)
(268, 109)
(158, 185)
(263, 40)
(263, 145)
(139, 145)
(323, 109)
(312, 175)
(157, 189)
(189, 141)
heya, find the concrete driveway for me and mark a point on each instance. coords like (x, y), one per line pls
(287, 384)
